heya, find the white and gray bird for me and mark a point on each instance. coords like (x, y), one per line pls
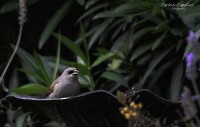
(66, 85)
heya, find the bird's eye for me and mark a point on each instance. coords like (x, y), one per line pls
(70, 71)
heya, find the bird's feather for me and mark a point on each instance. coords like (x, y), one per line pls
(51, 87)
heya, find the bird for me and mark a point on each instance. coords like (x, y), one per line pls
(65, 85)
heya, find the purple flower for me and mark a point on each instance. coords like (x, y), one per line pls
(190, 59)
(192, 37)
(191, 68)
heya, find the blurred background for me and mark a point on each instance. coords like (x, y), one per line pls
(115, 45)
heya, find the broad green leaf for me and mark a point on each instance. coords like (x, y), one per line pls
(57, 58)
(26, 58)
(92, 31)
(158, 74)
(20, 120)
(84, 81)
(146, 18)
(142, 32)
(116, 32)
(179, 44)
(34, 75)
(115, 76)
(90, 3)
(162, 25)
(41, 67)
(157, 8)
(92, 10)
(158, 41)
(176, 82)
(116, 24)
(107, 14)
(121, 44)
(83, 35)
(72, 46)
(101, 59)
(104, 51)
(30, 89)
(153, 64)
(14, 79)
(129, 8)
(81, 2)
(96, 35)
(115, 63)
(54, 21)
(139, 51)
(81, 68)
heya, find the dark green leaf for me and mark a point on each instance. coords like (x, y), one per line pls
(153, 64)
(26, 57)
(21, 119)
(53, 22)
(57, 58)
(96, 35)
(92, 31)
(141, 50)
(14, 79)
(72, 46)
(81, 2)
(83, 35)
(190, 11)
(30, 89)
(90, 3)
(104, 51)
(176, 82)
(101, 59)
(107, 14)
(34, 74)
(159, 74)
(92, 10)
(142, 32)
(41, 67)
(115, 76)
(162, 25)
(156, 9)
(81, 68)
(129, 8)
(158, 41)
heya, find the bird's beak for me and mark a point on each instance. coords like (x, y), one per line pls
(75, 72)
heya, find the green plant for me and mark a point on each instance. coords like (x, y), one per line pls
(150, 37)
(86, 67)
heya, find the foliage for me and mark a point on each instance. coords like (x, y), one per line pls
(150, 37)
(114, 44)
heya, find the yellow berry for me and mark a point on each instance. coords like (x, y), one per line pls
(140, 105)
(135, 106)
(125, 109)
(122, 112)
(127, 115)
(132, 104)
(134, 114)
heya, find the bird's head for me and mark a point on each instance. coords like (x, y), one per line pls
(71, 73)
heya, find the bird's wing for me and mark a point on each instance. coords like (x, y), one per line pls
(51, 87)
